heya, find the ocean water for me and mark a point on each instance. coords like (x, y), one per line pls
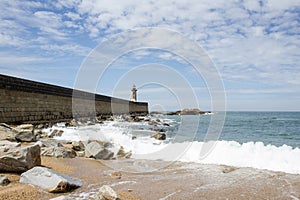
(275, 128)
(263, 140)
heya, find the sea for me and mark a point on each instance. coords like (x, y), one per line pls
(262, 140)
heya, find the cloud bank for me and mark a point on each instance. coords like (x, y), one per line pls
(254, 44)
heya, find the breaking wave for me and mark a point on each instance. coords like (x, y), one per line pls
(135, 137)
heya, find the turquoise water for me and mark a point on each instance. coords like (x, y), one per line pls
(276, 128)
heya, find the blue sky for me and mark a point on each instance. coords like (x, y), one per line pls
(255, 46)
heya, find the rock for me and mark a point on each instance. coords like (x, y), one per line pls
(137, 119)
(7, 133)
(9, 144)
(174, 113)
(166, 124)
(49, 180)
(51, 143)
(159, 136)
(25, 127)
(78, 146)
(133, 137)
(25, 136)
(4, 180)
(67, 142)
(157, 129)
(116, 175)
(92, 148)
(40, 143)
(111, 118)
(58, 152)
(80, 153)
(55, 133)
(47, 151)
(156, 113)
(228, 169)
(6, 145)
(97, 151)
(122, 153)
(99, 120)
(146, 119)
(194, 111)
(25, 133)
(41, 126)
(21, 159)
(5, 126)
(72, 123)
(104, 144)
(64, 152)
(106, 193)
(39, 134)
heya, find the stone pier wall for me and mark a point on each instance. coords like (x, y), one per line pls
(23, 100)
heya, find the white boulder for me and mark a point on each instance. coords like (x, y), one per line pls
(49, 180)
(106, 193)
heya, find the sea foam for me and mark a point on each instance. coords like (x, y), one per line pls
(250, 154)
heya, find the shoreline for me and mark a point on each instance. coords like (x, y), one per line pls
(134, 178)
(176, 181)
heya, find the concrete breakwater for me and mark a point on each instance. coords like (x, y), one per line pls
(24, 100)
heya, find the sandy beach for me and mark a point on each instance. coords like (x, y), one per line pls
(175, 181)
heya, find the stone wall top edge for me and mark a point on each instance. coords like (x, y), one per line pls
(19, 84)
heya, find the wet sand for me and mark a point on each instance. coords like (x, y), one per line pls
(166, 181)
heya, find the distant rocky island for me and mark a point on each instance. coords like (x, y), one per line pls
(193, 111)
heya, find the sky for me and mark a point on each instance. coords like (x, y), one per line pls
(254, 46)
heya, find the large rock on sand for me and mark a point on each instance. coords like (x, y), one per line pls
(106, 193)
(25, 136)
(21, 159)
(25, 133)
(49, 180)
(97, 151)
(58, 152)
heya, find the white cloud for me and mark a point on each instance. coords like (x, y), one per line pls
(67, 49)
(7, 58)
(73, 16)
(248, 40)
(252, 5)
(10, 40)
(274, 5)
(64, 4)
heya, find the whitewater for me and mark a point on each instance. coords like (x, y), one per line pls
(232, 149)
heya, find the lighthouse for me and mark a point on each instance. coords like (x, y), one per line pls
(133, 95)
